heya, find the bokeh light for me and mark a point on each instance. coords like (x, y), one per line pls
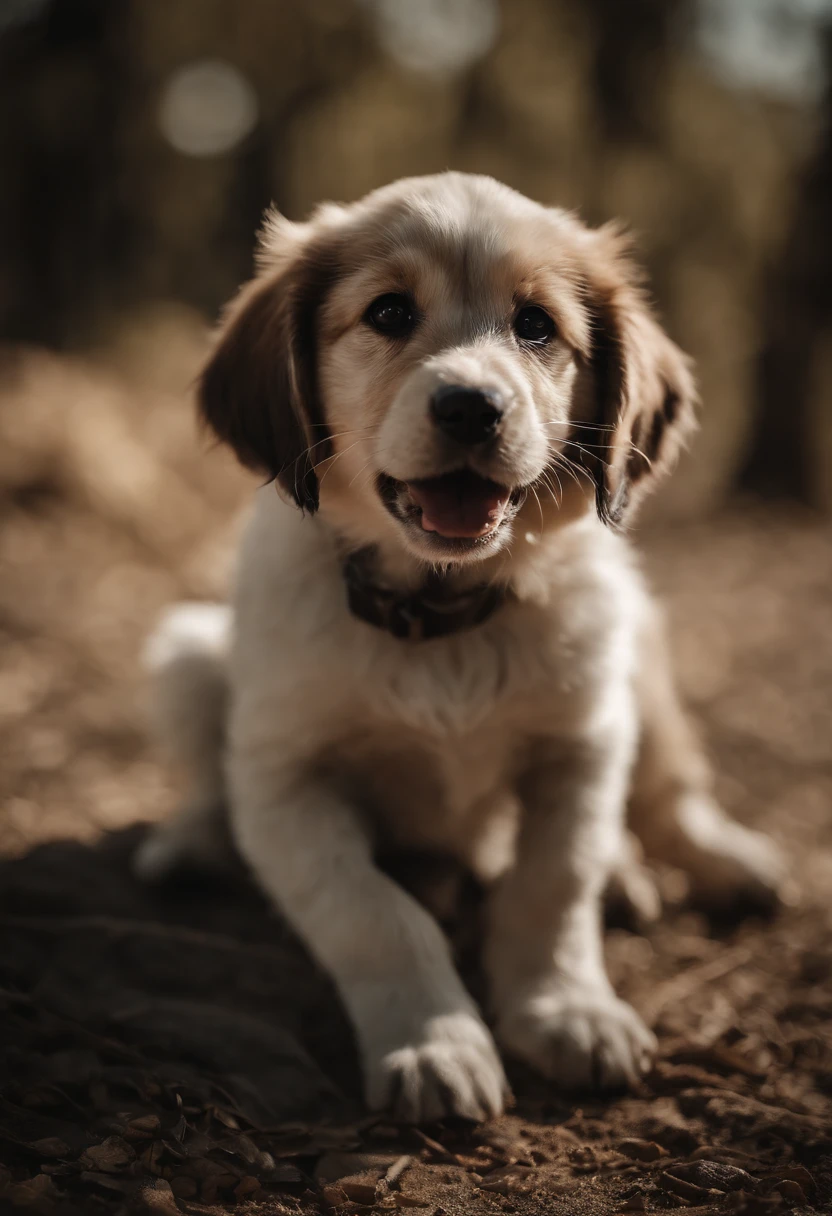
(207, 108)
(436, 36)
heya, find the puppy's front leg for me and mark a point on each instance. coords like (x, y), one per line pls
(425, 1051)
(554, 1003)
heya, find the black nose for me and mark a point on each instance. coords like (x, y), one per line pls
(468, 415)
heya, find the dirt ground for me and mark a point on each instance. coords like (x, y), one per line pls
(174, 1050)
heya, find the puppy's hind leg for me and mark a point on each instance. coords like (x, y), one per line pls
(186, 655)
(672, 809)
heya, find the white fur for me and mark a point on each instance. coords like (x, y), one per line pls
(510, 747)
(440, 738)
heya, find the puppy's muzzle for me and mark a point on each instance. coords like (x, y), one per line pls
(469, 416)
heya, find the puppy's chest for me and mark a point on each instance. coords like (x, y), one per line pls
(499, 682)
(423, 790)
(439, 732)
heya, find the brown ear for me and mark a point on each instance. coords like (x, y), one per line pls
(644, 393)
(259, 391)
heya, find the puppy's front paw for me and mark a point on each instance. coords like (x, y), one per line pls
(580, 1039)
(451, 1069)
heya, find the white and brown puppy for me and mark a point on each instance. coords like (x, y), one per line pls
(447, 646)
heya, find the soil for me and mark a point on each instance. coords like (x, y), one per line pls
(175, 1050)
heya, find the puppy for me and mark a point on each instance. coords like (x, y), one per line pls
(438, 638)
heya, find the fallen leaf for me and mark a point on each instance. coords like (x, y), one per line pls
(506, 1187)
(110, 1182)
(50, 1146)
(333, 1166)
(642, 1150)
(112, 1155)
(358, 1192)
(794, 1173)
(36, 1194)
(791, 1191)
(153, 1199)
(245, 1147)
(333, 1196)
(687, 1190)
(143, 1127)
(151, 1156)
(247, 1186)
(714, 1175)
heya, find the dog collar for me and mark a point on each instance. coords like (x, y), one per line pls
(418, 616)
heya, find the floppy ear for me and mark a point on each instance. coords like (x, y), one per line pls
(259, 391)
(644, 393)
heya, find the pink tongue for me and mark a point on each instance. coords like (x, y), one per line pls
(459, 504)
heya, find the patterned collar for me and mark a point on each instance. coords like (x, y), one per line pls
(417, 616)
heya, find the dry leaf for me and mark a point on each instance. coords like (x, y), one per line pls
(245, 1147)
(714, 1175)
(36, 1194)
(792, 1173)
(151, 1157)
(642, 1150)
(246, 1187)
(333, 1166)
(687, 1190)
(791, 1191)
(514, 1170)
(333, 1196)
(358, 1192)
(50, 1146)
(111, 1156)
(154, 1199)
(144, 1127)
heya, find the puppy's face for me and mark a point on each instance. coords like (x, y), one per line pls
(448, 364)
(444, 357)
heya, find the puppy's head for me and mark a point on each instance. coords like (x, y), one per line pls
(444, 360)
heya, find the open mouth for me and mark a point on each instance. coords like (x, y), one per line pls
(455, 506)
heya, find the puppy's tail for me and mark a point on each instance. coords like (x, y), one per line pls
(187, 657)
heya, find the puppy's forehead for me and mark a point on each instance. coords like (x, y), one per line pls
(470, 239)
(466, 225)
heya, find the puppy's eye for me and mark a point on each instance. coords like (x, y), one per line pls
(532, 324)
(391, 315)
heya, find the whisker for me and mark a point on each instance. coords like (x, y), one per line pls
(553, 472)
(589, 448)
(363, 469)
(582, 426)
(568, 466)
(643, 455)
(338, 435)
(332, 460)
(545, 477)
(540, 509)
(582, 448)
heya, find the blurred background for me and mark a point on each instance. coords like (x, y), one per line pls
(141, 140)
